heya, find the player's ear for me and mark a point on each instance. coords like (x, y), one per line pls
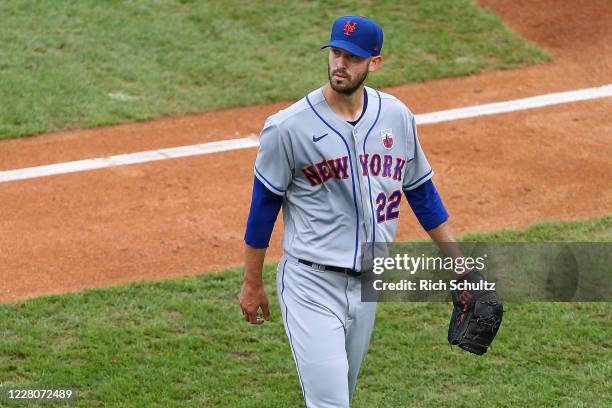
(375, 63)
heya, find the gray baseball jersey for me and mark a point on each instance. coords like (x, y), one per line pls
(342, 185)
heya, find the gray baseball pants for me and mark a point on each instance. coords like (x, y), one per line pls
(328, 328)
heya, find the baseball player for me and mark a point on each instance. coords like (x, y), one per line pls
(338, 162)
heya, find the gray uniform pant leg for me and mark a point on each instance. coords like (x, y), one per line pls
(359, 326)
(328, 329)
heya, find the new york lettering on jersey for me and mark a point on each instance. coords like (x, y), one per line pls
(337, 168)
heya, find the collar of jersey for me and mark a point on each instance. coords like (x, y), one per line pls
(318, 100)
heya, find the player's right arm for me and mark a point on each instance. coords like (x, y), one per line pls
(273, 170)
(252, 295)
(265, 207)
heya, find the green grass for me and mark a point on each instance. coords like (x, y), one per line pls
(182, 343)
(61, 61)
(597, 230)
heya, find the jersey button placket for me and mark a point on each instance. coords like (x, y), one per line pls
(362, 185)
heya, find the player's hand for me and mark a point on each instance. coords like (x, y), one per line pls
(252, 297)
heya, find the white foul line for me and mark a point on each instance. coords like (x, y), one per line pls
(130, 158)
(252, 140)
(515, 105)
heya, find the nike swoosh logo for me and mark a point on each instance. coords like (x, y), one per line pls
(316, 139)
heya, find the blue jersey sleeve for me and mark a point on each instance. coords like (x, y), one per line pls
(427, 205)
(265, 206)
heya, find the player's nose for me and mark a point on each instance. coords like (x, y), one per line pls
(343, 61)
(340, 62)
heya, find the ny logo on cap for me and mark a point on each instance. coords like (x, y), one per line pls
(349, 28)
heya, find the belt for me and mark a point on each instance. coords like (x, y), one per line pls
(347, 271)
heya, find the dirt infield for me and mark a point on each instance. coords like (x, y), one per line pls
(186, 216)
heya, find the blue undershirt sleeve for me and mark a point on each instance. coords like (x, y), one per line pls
(427, 205)
(265, 206)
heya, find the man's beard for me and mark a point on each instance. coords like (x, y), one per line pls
(350, 85)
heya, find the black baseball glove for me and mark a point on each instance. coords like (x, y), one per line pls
(476, 317)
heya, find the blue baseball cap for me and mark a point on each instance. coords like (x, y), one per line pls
(358, 35)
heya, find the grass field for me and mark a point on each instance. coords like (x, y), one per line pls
(182, 343)
(68, 64)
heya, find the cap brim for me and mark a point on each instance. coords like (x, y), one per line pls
(348, 46)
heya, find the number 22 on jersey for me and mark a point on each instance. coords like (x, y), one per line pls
(387, 208)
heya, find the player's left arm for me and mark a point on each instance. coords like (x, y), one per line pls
(423, 196)
(427, 206)
(444, 237)
(477, 314)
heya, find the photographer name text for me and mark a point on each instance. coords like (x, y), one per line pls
(431, 285)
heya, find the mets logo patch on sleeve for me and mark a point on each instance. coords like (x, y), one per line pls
(387, 138)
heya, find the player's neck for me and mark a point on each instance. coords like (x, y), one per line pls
(348, 107)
